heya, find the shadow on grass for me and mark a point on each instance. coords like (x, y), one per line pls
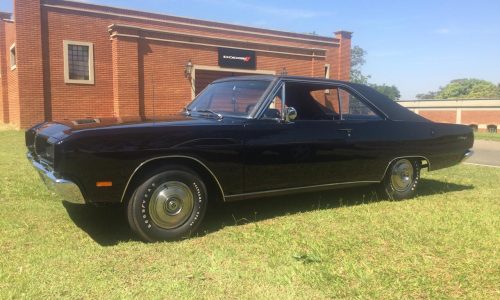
(107, 225)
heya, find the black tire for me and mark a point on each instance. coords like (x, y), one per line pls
(169, 205)
(401, 180)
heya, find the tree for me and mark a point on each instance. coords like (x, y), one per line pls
(357, 62)
(390, 91)
(469, 88)
(429, 95)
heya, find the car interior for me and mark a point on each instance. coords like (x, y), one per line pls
(320, 102)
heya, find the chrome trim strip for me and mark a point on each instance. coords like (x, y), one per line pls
(172, 156)
(66, 189)
(324, 81)
(407, 156)
(319, 186)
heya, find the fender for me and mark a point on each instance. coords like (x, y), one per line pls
(173, 156)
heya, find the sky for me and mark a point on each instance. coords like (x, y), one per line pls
(417, 46)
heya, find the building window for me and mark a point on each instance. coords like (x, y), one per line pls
(13, 58)
(78, 62)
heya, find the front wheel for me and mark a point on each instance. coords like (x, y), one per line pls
(402, 179)
(168, 206)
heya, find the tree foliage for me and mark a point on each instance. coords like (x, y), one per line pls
(390, 91)
(357, 61)
(469, 88)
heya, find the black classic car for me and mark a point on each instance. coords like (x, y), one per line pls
(241, 138)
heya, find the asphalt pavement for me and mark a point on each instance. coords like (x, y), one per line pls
(485, 153)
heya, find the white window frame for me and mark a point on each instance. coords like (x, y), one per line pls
(327, 76)
(13, 57)
(66, 44)
(327, 71)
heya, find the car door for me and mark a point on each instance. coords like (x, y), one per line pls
(372, 142)
(308, 151)
(299, 154)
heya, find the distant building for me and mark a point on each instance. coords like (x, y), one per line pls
(70, 60)
(480, 114)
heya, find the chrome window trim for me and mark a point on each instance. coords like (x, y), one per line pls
(346, 87)
(258, 104)
(171, 156)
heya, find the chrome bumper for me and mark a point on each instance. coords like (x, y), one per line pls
(467, 154)
(66, 189)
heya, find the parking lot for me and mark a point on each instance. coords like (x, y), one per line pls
(486, 153)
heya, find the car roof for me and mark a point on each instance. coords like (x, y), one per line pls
(390, 108)
(274, 77)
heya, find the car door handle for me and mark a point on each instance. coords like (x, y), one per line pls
(346, 130)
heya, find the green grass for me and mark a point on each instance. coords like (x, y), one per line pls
(343, 244)
(487, 136)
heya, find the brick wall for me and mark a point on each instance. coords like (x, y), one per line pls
(131, 72)
(12, 83)
(125, 77)
(4, 105)
(344, 55)
(481, 117)
(442, 116)
(28, 29)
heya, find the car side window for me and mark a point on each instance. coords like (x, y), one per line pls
(313, 101)
(328, 100)
(354, 108)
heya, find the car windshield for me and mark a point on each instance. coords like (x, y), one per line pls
(233, 98)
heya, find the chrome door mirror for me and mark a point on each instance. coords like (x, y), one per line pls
(290, 114)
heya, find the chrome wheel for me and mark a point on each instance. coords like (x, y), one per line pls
(402, 175)
(171, 204)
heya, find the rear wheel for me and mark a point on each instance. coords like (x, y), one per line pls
(402, 179)
(167, 206)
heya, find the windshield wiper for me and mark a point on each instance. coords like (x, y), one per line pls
(219, 116)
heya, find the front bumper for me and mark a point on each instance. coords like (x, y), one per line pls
(66, 189)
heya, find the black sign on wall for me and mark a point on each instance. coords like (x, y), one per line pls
(237, 58)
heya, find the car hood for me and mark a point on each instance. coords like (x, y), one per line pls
(60, 129)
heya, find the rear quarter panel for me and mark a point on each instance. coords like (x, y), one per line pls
(376, 143)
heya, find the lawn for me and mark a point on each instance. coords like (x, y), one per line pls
(487, 136)
(343, 244)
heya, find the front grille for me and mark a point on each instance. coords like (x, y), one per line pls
(43, 150)
(30, 140)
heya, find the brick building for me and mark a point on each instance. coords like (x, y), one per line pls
(62, 59)
(480, 114)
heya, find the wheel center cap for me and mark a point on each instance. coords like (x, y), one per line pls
(173, 206)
